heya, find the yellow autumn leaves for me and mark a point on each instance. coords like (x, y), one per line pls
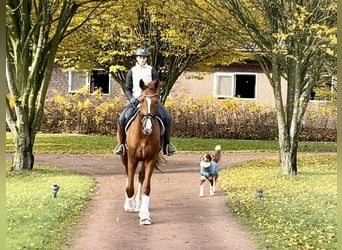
(296, 212)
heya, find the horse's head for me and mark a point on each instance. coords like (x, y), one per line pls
(149, 104)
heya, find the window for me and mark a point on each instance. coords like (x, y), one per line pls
(324, 92)
(241, 85)
(99, 80)
(77, 79)
(95, 79)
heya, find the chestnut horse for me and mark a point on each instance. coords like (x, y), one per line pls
(143, 145)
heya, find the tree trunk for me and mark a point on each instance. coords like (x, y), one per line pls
(288, 161)
(288, 152)
(23, 158)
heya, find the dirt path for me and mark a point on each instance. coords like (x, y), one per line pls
(181, 220)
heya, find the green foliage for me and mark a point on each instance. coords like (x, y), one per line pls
(34, 29)
(296, 212)
(291, 40)
(204, 117)
(35, 219)
(176, 42)
(97, 144)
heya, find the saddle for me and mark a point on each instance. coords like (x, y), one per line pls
(135, 113)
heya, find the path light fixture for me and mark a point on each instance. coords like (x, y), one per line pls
(259, 193)
(55, 189)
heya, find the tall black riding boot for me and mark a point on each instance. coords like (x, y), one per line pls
(121, 149)
(168, 149)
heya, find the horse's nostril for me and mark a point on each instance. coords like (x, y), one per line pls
(147, 131)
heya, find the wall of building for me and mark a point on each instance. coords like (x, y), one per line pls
(60, 80)
(199, 84)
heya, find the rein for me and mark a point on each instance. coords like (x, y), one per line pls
(150, 95)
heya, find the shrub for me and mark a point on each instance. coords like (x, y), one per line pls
(81, 113)
(205, 117)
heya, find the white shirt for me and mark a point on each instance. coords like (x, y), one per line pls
(139, 72)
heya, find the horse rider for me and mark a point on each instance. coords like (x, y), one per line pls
(132, 91)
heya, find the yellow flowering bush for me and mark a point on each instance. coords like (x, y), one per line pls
(204, 117)
(82, 113)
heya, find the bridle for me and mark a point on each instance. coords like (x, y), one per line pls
(149, 116)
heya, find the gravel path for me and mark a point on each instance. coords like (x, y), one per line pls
(181, 220)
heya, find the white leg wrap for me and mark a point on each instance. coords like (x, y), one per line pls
(129, 204)
(145, 203)
(138, 199)
(144, 213)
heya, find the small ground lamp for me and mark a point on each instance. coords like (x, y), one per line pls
(259, 193)
(55, 189)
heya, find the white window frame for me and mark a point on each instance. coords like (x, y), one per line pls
(217, 75)
(216, 93)
(70, 78)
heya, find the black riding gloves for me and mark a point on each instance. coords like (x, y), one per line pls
(134, 101)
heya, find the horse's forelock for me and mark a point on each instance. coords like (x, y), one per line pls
(151, 88)
(154, 85)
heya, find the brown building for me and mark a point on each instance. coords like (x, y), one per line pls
(243, 81)
(247, 82)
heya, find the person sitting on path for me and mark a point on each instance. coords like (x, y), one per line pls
(132, 91)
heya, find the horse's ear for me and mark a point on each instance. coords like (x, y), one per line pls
(142, 84)
(157, 84)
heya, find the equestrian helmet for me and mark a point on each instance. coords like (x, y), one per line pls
(142, 51)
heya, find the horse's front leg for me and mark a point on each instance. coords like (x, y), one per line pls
(129, 196)
(138, 194)
(144, 212)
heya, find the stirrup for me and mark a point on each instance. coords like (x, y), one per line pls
(120, 149)
(169, 150)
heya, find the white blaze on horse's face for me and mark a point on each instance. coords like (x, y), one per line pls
(147, 130)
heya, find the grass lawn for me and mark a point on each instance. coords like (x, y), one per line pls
(94, 144)
(37, 220)
(296, 212)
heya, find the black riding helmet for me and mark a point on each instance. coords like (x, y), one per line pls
(142, 51)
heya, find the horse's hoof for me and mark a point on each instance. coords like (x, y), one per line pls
(129, 210)
(146, 221)
(145, 218)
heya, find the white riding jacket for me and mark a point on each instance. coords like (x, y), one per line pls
(139, 72)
